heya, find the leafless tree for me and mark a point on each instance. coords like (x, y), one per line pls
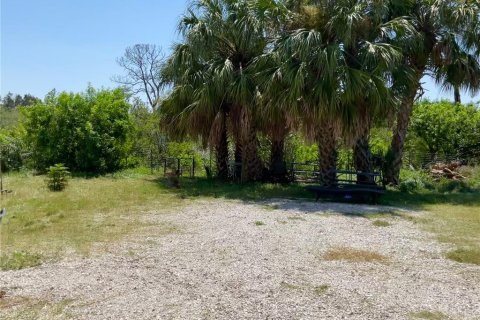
(142, 64)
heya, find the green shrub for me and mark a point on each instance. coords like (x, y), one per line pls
(57, 177)
(445, 128)
(87, 132)
(410, 185)
(445, 185)
(412, 180)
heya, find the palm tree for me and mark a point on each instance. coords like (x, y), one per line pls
(225, 39)
(365, 32)
(460, 72)
(442, 28)
(194, 108)
(335, 75)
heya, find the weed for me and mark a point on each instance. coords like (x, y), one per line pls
(19, 260)
(259, 223)
(381, 223)
(321, 290)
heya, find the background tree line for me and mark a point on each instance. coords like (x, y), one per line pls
(262, 84)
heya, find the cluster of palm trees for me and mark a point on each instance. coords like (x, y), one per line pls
(328, 68)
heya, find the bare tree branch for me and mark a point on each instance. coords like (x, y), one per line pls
(142, 64)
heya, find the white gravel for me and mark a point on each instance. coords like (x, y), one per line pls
(221, 265)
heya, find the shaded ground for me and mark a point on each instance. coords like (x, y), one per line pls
(226, 259)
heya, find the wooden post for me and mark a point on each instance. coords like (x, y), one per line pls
(193, 167)
(164, 167)
(151, 161)
(293, 170)
(178, 166)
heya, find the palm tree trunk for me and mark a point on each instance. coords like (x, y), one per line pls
(362, 158)
(237, 168)
(327, 152)
(456, 93)
(251, 165)
(395, 154)
(278, 168)
(221, 150)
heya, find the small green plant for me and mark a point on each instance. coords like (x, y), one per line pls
(57, 177)
(259, 223)
(19, 260)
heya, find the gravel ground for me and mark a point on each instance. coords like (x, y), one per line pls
(225, 259)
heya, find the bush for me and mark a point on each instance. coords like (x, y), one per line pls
(445, 185)
(410, 185)
(412, 180)
(88, 132)
(57, 177)
(12, 149)
(442, 129)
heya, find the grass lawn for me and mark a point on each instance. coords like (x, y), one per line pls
(42, 225)
(454, 217)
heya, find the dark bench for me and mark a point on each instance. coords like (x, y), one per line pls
(350, 189)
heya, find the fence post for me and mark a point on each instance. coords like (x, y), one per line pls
(151, 162)
(178, 166)
(164, 167)
(293, 170)
(193, 167)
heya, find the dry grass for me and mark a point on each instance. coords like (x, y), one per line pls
(429, 315)
(289, 286)
(381, 223)
(27, 308)
(296, 218)
(353, 255)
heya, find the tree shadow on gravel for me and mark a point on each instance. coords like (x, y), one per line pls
(214, 188)
(268, 193)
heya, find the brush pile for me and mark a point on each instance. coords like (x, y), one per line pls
(446, 170)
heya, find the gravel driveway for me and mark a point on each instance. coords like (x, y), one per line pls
(222, 259)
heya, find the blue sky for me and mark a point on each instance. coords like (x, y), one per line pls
(66, 44)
